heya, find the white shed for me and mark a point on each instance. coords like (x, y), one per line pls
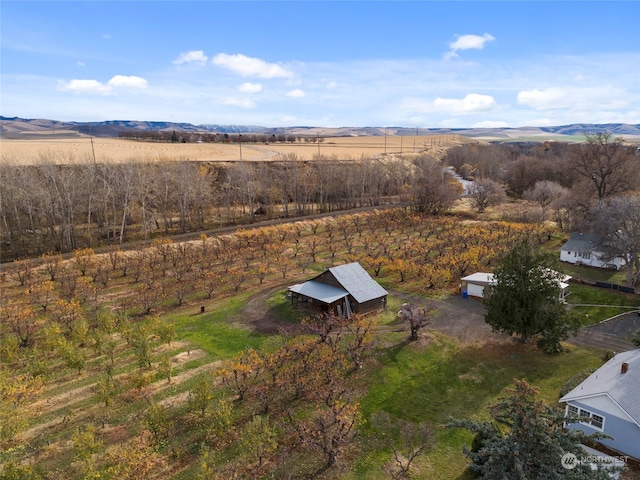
(474, 285)
(479, 285)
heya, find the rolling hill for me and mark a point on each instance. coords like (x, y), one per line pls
(16, 127)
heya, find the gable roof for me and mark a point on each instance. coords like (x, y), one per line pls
(319, 291)
(621, 388)
(480, 278)
(587, 242)
(355, 280)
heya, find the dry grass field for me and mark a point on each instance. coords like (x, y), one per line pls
(81, 149)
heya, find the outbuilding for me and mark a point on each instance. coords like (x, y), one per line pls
(479, 284)
(342, 290)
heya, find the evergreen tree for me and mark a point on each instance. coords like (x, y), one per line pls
(527, 440)
(525, 299)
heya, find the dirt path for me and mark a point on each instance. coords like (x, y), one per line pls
(457, 317)
(257, 316)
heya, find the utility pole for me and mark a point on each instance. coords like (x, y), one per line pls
(240, 143)
(385, 141)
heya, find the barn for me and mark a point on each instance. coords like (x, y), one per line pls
(342, 290)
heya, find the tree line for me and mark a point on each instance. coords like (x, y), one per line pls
(66, 205)
(591, 186)
(174, 136)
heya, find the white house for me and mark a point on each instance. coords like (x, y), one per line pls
(589, 249)
(479, 284)
(608, 401)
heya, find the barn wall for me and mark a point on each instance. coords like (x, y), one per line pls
(328, 279)
(374, 305)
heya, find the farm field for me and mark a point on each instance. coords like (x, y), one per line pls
(118, 363)
(79, 149)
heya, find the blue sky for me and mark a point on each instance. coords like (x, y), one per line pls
(323, 63)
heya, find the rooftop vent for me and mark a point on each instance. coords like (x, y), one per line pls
(624, 368)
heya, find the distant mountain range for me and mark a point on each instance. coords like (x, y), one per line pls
(15, 127)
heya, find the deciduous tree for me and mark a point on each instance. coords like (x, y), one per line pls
(417, 317)
(486, 193)
(407, 440)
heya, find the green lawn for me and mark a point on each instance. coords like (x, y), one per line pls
(214, 332)
(602, 303)
(594, 274)
(426, 381)
(443, 379)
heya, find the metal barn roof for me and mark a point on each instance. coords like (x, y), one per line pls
(319, 291)
(358, 282)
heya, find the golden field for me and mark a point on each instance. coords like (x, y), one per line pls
(82, 149)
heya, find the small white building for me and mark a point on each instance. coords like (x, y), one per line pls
(479, 285)
(589, 249)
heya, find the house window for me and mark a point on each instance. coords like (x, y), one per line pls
(597, 421)
(586, 417)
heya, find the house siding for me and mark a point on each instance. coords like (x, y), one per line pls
(626, 433)
(574, 256)
(587, 249)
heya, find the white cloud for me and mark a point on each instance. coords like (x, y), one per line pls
(248, 87)
(96, 87)
(466, 42)
(122, 81)
(238, 102)
(297, 93)
(85, 86)
(194, 57)
(592, 98)
(250, 67)
(80, 64)
(472, 103)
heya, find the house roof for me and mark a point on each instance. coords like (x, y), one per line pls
(319, 291)
(355, 280)
(587, 242)
(480, 278)
(621, 388)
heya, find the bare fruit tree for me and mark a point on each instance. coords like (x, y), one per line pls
(417, 317)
